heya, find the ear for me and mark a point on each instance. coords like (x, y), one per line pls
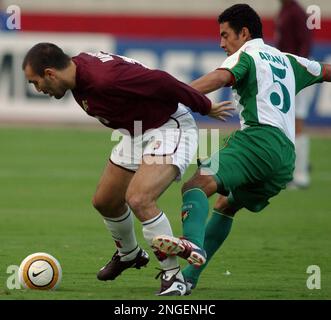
(49, 72)
(245, 33)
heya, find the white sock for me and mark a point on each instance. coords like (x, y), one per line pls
(157, 226)
(122, 231)
(301, 172)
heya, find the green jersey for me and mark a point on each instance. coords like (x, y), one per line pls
(265, 82)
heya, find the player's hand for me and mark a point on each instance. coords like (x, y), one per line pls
(220, 110)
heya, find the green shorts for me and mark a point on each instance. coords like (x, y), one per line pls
(252, 166)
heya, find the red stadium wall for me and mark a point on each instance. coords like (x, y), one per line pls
(145, 26)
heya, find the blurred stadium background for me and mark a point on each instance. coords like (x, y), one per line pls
(180, 37)
(36, 178)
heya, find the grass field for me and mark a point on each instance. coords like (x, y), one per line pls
(47, 180)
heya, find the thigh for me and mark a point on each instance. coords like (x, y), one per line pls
(255, 196)
(127, 153)
(247, 157)
(231, 165)
(175, 141)
(112, 187)
(254, 165)
(152, 178)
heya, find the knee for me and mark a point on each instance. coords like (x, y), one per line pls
(222, 205)
(138, 202)
(191, 184)
(204, 182)
(97, 203)
(229, 211)
(107, 207)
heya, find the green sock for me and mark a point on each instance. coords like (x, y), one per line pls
(194, 214)
(217, 230)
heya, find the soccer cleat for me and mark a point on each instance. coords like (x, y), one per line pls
(115, 266)
(183, 248)
(172, 286)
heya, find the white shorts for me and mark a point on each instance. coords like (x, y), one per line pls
(177, 139)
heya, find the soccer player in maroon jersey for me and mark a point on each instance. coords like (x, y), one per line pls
(293, 36)
(119, 92)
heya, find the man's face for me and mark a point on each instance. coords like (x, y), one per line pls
(230, 41)
(49, 84)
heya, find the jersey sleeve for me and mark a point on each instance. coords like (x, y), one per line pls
(307, 72)
(238, 64)
(133, 80)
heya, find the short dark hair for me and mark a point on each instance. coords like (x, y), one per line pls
(242, 15)
(45, 55)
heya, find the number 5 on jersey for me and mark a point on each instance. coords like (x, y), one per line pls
(275, 97)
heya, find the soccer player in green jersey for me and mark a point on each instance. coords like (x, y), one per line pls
(256, 162)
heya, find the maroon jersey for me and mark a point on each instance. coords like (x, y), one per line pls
(292, 34)
(117, 91)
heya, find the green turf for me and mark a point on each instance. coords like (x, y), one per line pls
(48, 177)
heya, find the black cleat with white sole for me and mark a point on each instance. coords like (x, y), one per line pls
(115, 266)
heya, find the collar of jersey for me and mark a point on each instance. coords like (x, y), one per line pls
(254, 42)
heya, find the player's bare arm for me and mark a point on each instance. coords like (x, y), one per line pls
(212, 81)
(327, 72)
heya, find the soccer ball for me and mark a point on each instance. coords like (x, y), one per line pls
(40, 271)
